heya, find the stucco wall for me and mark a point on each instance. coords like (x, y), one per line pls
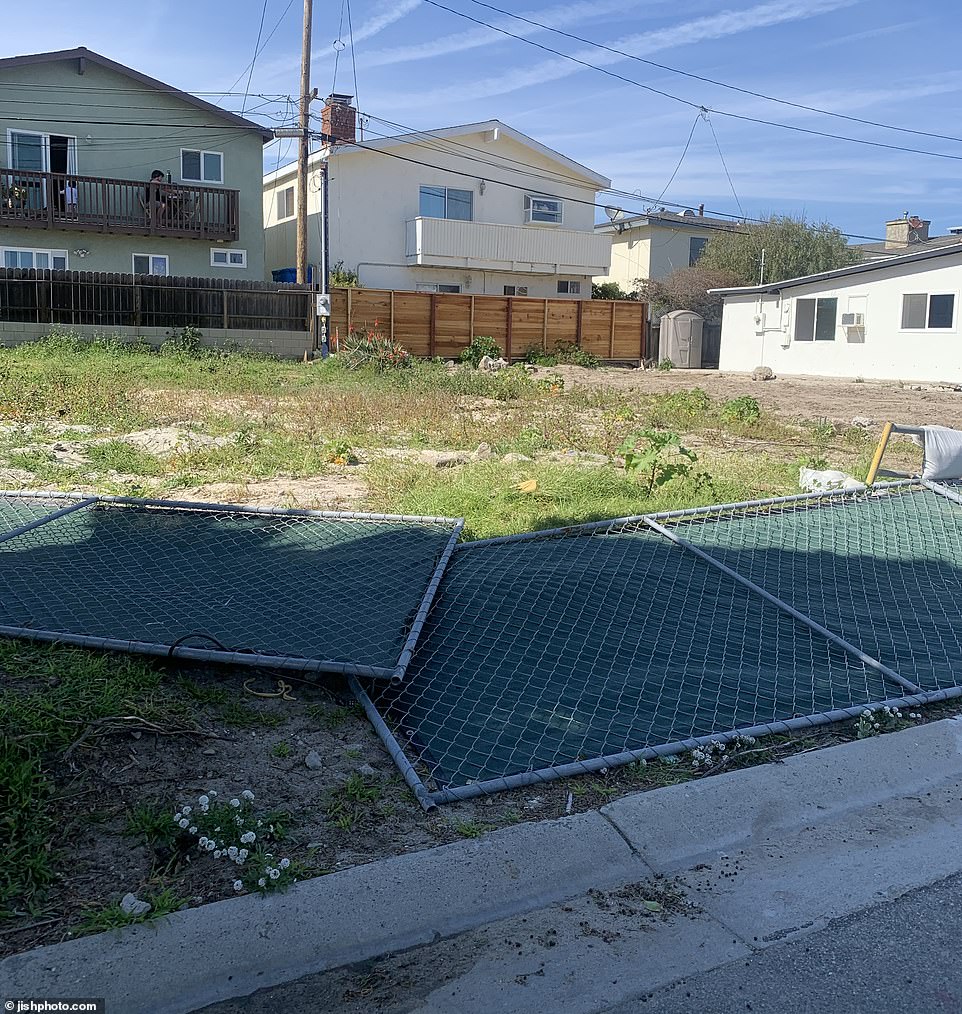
(650, 251)
(373, 195)
(102, 109)
(884, 351)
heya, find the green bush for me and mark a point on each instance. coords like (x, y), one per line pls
(564, 353)
(481, 346)
(741, 410)
(373, 350)
(665, 365)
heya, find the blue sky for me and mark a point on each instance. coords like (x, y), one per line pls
(422, 67)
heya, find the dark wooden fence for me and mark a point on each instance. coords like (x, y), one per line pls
(442, 324)
(710, 344)
(106, 299)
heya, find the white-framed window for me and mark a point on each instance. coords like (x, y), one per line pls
(151, 264)
(438, 287)
(516, 290)
(446, 202)
(223, 257)
(928, 311)
(696, 246)
(285, 203)
(566, 288)
(815, 319)
(25, 257)
(197, 166)
(547, 210)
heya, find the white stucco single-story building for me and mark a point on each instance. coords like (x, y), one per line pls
(895, 319)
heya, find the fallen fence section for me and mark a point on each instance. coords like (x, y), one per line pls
(311, 591)
(577, 650)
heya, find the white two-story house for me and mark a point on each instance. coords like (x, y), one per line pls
(480, 208)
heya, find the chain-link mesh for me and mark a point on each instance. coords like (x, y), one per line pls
(16, 511)
(883, 571)
(547, 651)
(337, 593)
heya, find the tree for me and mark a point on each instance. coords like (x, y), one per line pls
(687, 289)
(610, 290)
(792, 246)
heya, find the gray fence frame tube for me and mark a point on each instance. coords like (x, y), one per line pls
(937, 487)
(393, 747)
(868, 660)
(599, 764)
(38, 522)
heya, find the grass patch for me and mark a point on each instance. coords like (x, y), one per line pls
(112, 916)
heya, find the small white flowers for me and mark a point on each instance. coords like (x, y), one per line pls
(232, 852)
(274, 874)
(284, 863)
(203, 800)
(238, 885)
(262, 882)
(248, 837)
(248, 795)
(183, 822)
(186, 810)
(177, 817)
(217, 853)
(192, 829)
(202, 842)
(235, 802)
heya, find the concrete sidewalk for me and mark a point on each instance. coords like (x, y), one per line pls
(768, 854)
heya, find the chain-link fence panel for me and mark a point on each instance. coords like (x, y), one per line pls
(882, 570)
(342, 593)
(18, 511)
(562, 653)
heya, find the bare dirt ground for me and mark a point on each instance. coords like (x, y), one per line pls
(836, 400)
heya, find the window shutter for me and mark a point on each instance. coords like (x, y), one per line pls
(913, 309)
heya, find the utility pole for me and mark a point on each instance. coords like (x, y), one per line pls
(303, 149)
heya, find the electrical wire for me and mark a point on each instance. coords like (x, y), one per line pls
(738, 203)
(691, 134)
(694, 105)
(713, 81)
(350, 32)
(260, 30)
(257, 52)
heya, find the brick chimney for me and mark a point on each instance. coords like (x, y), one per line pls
(339, 119)
(906, 231)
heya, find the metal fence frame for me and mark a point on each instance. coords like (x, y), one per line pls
(81, 501)
(912, 697)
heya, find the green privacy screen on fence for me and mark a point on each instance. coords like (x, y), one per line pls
(305, 590)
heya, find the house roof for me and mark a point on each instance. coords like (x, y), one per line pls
(854, 269)
(427, 138)
(874, 251)
(670, 220)
(81, 53)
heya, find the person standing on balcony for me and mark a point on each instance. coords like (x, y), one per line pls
(70, 198)
(156, 202)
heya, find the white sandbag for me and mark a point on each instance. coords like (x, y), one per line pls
(815, 480)
(943, 453)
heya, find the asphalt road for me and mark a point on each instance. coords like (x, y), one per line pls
(900, 957)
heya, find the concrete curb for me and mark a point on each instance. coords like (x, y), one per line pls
(234, 947)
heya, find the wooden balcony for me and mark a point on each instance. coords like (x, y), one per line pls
(36, 200)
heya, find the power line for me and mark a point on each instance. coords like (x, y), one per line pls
(691, 134)
(731, 183)
(713, 81)
(277, 24)
(260, 29)
(694, 105)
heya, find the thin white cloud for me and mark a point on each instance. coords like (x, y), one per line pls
(715, 26)
(871, 33)
(458, 42)
(386, 16)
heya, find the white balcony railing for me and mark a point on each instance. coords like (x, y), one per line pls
(440, 242)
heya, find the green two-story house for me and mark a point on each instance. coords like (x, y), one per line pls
(105, 169)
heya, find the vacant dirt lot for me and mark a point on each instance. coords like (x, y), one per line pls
(791, 397)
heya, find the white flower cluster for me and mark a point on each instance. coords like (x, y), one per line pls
(206, 823)
(706, 756)
(871, 723)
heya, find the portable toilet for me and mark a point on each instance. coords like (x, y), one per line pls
(680, 339)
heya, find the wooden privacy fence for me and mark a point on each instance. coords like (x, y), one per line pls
(106, 299)
(442, 324)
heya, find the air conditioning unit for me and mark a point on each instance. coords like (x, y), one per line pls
(853, 320)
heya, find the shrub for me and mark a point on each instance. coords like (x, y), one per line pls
(741, 410)
(565, 353)
(657, 457)
(666, 364)
(481, 346)
(372, 349)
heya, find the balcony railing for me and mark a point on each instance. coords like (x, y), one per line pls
(95, 204)
(443, 242)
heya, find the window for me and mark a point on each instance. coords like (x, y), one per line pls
(41, 260)
(543, 209)
(516, 290)
(285, 203)
(921, 310)
(445, 202)
(438, 287)
(815, 319)
(151, 264)
(569, 288)
(201, 166)
(695, 247)
(221, 258)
